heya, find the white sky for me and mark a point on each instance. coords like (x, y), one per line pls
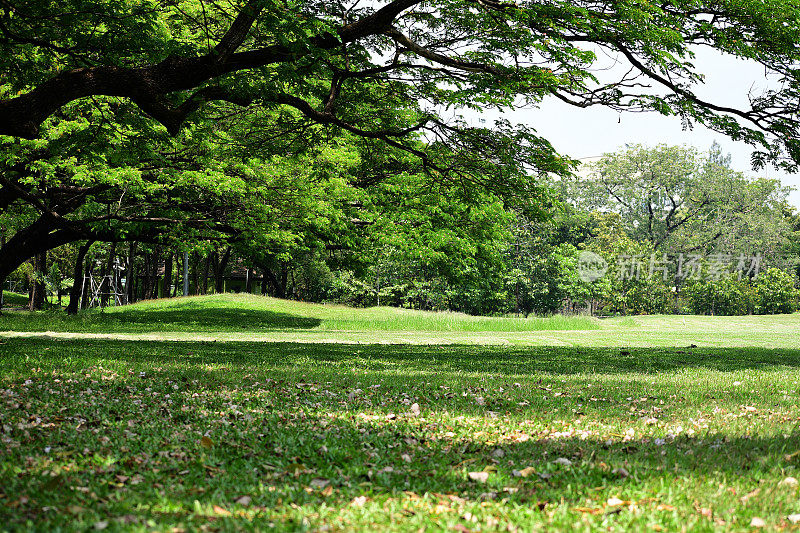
(585, 133)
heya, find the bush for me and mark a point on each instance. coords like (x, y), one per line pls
(775, 292)
(727, 296)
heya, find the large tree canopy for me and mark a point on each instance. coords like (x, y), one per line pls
(133, 120)
(319, 57)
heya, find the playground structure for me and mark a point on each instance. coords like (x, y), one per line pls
(103, 291)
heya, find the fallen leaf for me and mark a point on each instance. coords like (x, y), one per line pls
(482, 477)
(244, 501)
(206, 443)
(319, 483)
(664, 507)
(757, 522)
(296, 468)
(620, 472)
(415, 411)
(614, 501)
(563, 461)
(749, 495)
(525, 472)
(794, 518)
(498, 453)
(219, 511)
(327, 491)
(359, 501)
(102, 524)
(588, 510)
(789, 482)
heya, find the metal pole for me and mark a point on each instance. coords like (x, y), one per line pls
(186, 273)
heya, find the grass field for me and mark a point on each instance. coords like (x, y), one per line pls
(128, 434)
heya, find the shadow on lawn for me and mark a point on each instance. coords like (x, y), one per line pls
(211, 318)
(450, 358)
(280, 462)
(273, 437)
(175, 318)
(499, 360)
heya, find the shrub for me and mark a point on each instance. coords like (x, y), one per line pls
(727, 296)
(775, 292)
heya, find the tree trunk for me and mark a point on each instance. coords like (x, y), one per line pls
(38, 286)
(178, 275)
(166, 283)
(86, 296)
(155, 264)
(2, 282)
(249, 285)
(77, 274)
(193, 277)
(130, 275)
(278, 284)
(205, 273)
(37, 238)
(219, 271)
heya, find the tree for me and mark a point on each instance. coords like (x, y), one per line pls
(681, 202)
(94, 90)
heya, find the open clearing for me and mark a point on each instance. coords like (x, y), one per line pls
(623, 426)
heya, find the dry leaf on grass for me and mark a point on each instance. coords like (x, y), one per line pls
(481, 477)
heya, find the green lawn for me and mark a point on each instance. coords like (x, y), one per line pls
(132, 434)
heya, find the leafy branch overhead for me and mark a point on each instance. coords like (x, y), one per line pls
(318, 57)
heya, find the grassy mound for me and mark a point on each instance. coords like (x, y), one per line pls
(249, 313)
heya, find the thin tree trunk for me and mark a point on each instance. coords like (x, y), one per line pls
(156, 263)
(77, 274)
(205, 273)
(130, 275)
(2, 281)
(249, 286)
(86, 295)
(178, 279)
(167, 281)
(193, 277)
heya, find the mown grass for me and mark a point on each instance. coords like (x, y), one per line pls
(108, 434)
(248, 313)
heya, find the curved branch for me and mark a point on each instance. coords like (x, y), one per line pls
(147, 86)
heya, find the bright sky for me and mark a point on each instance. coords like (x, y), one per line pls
(585, 133)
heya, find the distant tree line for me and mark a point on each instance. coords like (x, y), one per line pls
(407, 242)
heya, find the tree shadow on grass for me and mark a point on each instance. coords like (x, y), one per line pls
(289, 464)
(489, 360)
(122, 421)
(210, 319)
(182, 319)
